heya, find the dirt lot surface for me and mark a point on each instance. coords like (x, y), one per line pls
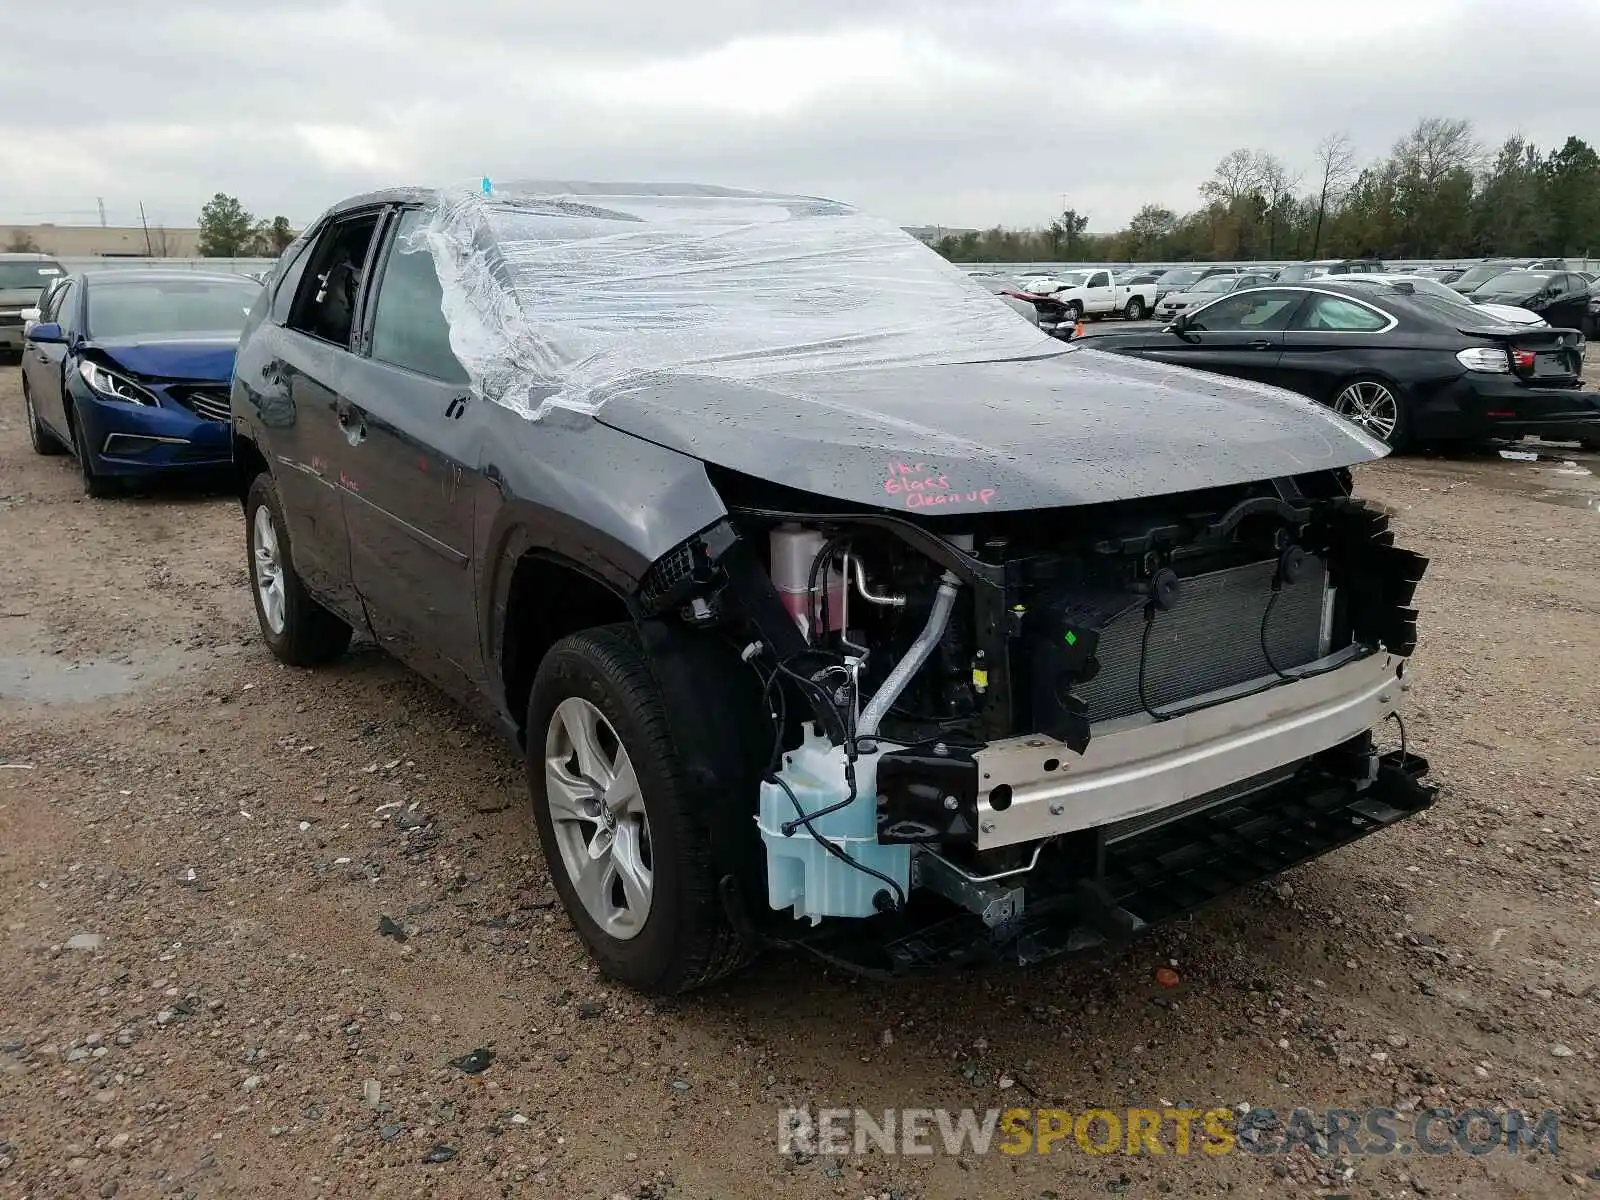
(197, 847)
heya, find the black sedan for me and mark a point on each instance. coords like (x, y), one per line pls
(1403, 366)
(1560, 297)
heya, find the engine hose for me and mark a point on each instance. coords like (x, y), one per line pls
(927, 641)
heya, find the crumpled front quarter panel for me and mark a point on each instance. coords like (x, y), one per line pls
(601, 498)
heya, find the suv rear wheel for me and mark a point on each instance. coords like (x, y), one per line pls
(628, 854)
(297, 629)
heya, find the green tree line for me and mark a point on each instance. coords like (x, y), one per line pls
(228, 231)
(1437, 194)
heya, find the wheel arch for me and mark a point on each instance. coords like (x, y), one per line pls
(542, 597)
(248, 462)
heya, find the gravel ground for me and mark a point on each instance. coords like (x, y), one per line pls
(198, 848)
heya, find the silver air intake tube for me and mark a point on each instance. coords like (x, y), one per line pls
(883, 699)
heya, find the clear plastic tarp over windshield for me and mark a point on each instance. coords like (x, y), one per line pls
(561, 294)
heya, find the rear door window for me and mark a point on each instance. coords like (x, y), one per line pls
(325, 302)
(1325, 313)
(409, 329)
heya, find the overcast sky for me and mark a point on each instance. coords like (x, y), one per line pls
(960, 112)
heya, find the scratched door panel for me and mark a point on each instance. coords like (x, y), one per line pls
(408, 501)
(293, 383)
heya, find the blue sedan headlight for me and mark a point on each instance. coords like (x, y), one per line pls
(108, 385)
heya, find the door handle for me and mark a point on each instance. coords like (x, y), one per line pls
(1260, 344)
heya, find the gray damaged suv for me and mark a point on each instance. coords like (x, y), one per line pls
(831, 606)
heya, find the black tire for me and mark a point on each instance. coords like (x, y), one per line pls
(1073, 311)
(44, 442)
(97, 487)
(310, 636)
(1399, 439)
(1134, 310)
(686, 940)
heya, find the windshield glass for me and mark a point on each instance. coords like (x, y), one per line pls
(1217, 283)
(129, 308)
(1426, 286)
(1178, 280)
(1515, 283)
(1453, 311)
(1481, 272)
(1420, 285)
(28, 276)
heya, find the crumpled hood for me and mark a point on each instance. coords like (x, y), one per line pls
(203, 357)
(1078, 427)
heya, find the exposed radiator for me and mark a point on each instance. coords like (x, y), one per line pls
(1210, 639)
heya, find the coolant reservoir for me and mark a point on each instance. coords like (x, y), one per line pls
(794, 549)
(801, 873)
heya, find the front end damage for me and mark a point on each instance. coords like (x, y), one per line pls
(1016, 734)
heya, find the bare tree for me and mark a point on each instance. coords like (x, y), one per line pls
(1277, 186)
(1336, 168)
(1237, 175)
(159, 241)
(22, 243)
(1434, 167)
(1435, 148)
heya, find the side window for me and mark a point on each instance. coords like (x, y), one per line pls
(286, 280)
(52, 302)
(408, 325)
(1334, 314)
(324, 304)
(1249, 312)
(63, 311)
(1100, 279)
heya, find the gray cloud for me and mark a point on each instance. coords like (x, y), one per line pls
(941, 110)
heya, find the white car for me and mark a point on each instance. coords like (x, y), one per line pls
(1423, 285)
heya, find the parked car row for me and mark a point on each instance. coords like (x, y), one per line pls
(841, 610)
(1545, 287)
(1389, 354)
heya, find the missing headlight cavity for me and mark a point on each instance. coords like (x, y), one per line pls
(930, 681)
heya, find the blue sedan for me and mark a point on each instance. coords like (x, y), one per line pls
(131, 370)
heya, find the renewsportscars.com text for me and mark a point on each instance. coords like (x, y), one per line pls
(1177, 1131)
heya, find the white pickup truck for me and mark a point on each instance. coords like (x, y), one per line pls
(1095, 293)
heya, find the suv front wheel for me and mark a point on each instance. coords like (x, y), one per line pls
(298, 630)
(628, 853)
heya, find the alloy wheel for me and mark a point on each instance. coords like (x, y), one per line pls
(598, 816)
(267, 564)
(1370, 405)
